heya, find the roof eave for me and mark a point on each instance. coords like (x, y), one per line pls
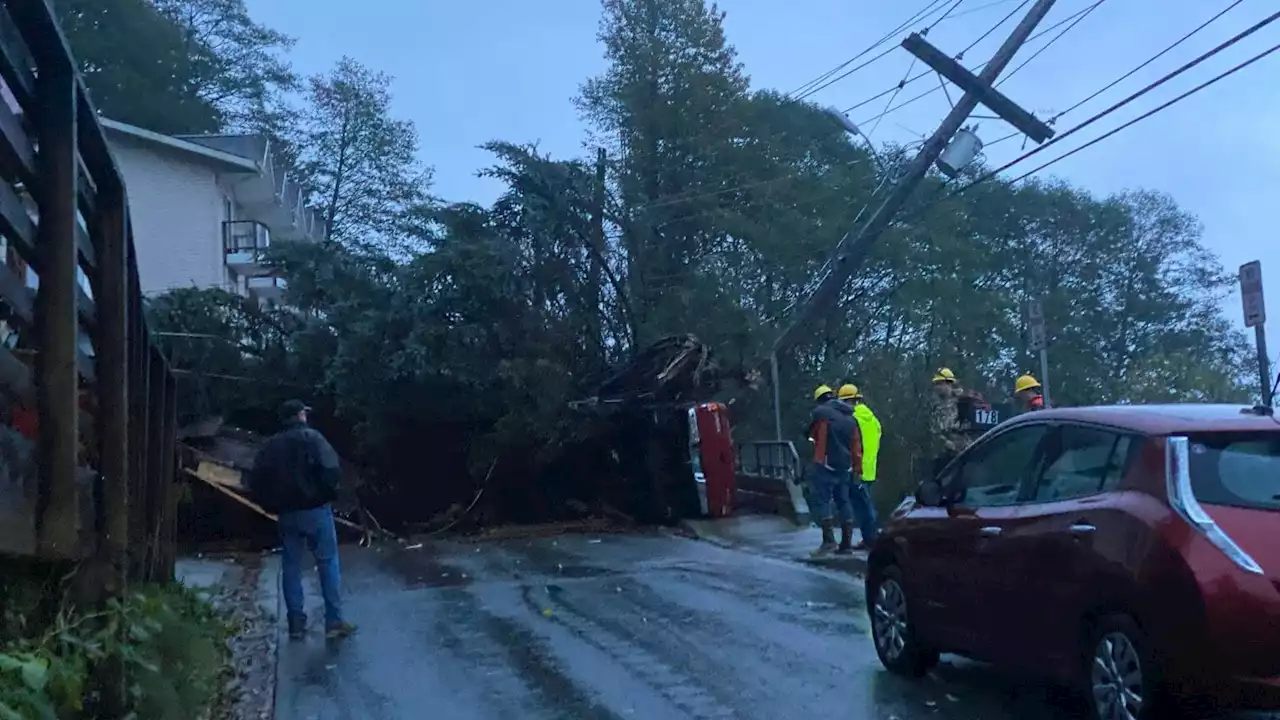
(224, 161)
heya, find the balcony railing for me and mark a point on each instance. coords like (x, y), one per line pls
(267, 287)
(245, 236)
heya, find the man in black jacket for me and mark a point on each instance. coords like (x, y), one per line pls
(295, 475)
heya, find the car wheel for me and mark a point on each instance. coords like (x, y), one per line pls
(892, 631)
(1122, 676)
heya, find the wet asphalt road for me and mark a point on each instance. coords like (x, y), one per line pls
(616, 627)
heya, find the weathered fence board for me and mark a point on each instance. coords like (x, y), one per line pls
(87, 413)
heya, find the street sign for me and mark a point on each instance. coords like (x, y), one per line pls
(1035, 326)
(1255, 309)
(1035, 312)
(1036, 337)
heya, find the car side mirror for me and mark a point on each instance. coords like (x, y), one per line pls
(929, 493)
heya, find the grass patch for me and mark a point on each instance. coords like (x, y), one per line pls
(169, 639)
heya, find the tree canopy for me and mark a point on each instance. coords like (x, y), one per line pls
(438, 336)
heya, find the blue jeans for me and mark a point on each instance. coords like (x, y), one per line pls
(830, 494)
(863, 509)
(312, 530)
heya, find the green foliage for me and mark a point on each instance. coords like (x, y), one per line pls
(168, 640)
(445, 335)
(181, 66)
(359, 162)
(137, 65)
(233, 63)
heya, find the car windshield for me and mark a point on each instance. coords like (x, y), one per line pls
(1240, 469)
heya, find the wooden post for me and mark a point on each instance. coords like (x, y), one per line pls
(140, 425)
(153, 483)
(169, 488)
(113, 380)
(57, 325)
(137, 421)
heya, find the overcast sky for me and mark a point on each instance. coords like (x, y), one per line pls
(471, 72)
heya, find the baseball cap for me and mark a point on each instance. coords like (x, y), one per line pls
(289, 408)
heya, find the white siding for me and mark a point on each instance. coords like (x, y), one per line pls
(176, 206)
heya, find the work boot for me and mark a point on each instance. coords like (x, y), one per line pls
(846, 539)
(828, 538)
(340, 630)
(297, 628)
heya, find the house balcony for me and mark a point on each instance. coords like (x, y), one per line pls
(244, 243)
(267, 288)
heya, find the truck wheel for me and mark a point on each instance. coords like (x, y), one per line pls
(894, 635)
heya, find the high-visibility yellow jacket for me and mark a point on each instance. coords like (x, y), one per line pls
(869, 424)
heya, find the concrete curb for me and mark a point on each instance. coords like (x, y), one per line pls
(851, 564)
(269, 589)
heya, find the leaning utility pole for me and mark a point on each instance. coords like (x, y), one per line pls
(856, 244)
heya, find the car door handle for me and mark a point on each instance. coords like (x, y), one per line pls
(1083, 528)
(990, 531)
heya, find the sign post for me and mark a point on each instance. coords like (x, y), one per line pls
(1255, 316)
(777, 399)
(1037, 342)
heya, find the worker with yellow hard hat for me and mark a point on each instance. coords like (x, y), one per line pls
(864, 510)
(1029, 393)
(837, 447)
(945, 427)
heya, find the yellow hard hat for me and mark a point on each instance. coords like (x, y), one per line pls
(1026, 382)
(821, 390)
(849, 391)
(944, 375)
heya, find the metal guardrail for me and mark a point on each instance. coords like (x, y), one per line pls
(771, 459)
(83, 385)
(772, 469)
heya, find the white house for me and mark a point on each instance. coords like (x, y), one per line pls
(205, 207)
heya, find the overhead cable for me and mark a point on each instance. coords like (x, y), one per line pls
(1152, 111)
(1149, 60)
(1084, 14)
(931, 91)
(928, 10)
(884, 53)
(1122, 103)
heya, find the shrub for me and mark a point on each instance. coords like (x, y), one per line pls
(169, 640)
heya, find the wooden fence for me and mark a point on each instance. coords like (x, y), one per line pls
(87, 433)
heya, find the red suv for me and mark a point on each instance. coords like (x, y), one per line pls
(1132, 552)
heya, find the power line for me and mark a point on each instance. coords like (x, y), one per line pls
(995, 27)
(1151, 112)
(1125, 76)
(845, 74)
(886, 52)
(1049, 44)
(928, 10)
(1150, 60)
(1152, 86)
(697, 195)
(931, 91)
(901, 84)
(980, 8)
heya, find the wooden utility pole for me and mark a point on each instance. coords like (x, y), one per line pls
(856, 244)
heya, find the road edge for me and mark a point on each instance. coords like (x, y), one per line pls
(271, 600)
(851, 564)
